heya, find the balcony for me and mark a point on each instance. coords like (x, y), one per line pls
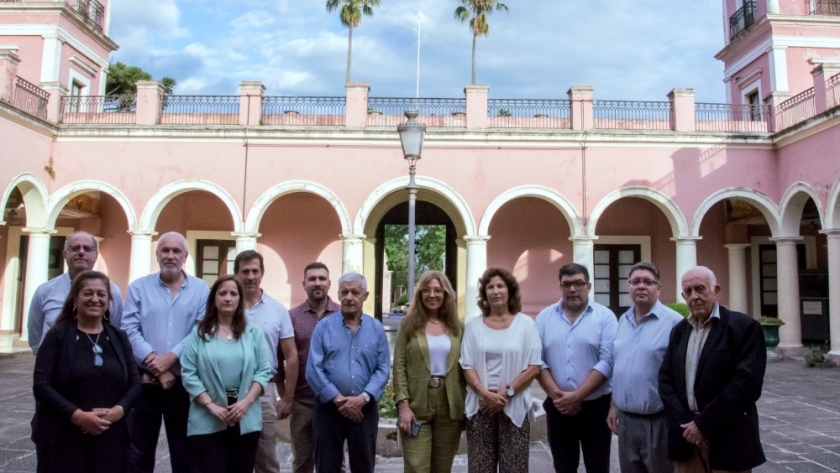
(826, 7)
(92, 12)
(742, 19)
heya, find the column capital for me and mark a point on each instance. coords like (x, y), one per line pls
(686, 240)
(786, 240)
(476, 239)
(582, 239)
(353, 236)
(245, 235)
(831, 233)
(142, 233)
(736, 246)
(39, 231)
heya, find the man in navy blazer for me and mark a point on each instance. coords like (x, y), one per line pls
(709, 382)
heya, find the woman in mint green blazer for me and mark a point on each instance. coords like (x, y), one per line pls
(225, 368)
(428, 380)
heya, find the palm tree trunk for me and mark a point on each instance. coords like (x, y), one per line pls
(475, 37)
(349, 51)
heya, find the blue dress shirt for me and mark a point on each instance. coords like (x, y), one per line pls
(347, 363)
(155, 321)
(572, 351)
(47, 303)
(639, 349)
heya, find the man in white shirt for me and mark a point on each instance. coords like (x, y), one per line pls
(80, 253)
(273, 318)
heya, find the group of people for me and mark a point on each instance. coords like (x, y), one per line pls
(210, 363)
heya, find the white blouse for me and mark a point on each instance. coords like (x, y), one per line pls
(439, 346)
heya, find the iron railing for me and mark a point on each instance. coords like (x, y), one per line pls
(631, 115)
(92, 12)
(30, 98)
(832, 91)
(528, 113)
(733, 118)
(796, 109)
(199, 110)
(303, 111)
(742, 19)
(388, 111)
(826, 7)
(98, 109)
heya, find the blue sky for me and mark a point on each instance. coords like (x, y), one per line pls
(626, 49)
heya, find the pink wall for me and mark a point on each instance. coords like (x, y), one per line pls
(115, 248)
(29, 151)
(815, 160)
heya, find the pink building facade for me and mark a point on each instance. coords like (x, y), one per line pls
(749, 188)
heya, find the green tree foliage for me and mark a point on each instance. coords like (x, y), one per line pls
(429, 250)
(122, 80)
(476, 11)
(350, 13)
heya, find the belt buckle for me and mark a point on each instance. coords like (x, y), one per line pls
(435, 382)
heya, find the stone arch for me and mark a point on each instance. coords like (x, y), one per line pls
(792, 204)
(442, 195)
(541, 192)
(264, 201)
(163, 196)
(62, 196)
(35, 198)
(679, 226)
(832, 214)
(764, 205)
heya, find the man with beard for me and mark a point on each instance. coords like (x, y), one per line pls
(80, 253)
(577, 338)
(160, 311)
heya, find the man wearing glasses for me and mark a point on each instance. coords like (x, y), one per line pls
(710, 380)
(80, 253)
(577, 338)
(637, 415)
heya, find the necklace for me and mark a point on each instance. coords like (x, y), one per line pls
(229, 336)
(434, 321)
(97, 350)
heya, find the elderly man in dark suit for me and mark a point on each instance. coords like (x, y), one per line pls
(710, 380)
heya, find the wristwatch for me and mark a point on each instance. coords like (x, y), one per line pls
(366, 396)
(509, 391)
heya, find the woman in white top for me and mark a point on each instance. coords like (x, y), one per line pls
(428, 381)
(501, 355)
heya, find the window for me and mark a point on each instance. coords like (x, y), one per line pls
(215, 259)
(612, 268)
(755, 105)
(768, 283)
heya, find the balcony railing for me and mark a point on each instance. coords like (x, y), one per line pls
(98, 109)
(631, 115)
(30, 98)
(826, 7)
(732, 118)
(742, 19)
(387, 111)
(303, 111)
(200, 110)
(832, 92)
(796, 109)
(92, 12)
(528, 113)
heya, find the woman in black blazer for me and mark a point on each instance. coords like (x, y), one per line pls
(84, 384)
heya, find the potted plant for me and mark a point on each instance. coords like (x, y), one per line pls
(770, 326)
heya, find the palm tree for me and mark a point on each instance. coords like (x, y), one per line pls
(476, 12)
(350, 12)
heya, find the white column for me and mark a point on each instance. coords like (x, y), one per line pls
(51, 60)
(738, 277)
(476, 265)
(140, 263)
(353, 257)
(583, 252)
(833, 237)
(37, 269)
(246, 241)
(787, 280)
(686, 259)
(778, 69)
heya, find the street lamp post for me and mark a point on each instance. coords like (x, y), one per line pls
(412, 134)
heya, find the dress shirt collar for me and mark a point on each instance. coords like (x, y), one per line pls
(696, 323)
(332, 307)
(183, 285)
(654, 312)
(590, 307)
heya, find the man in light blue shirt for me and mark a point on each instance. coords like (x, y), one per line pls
(348, 367)
(637, 414)
(80, 253)
(577, 337)
(160, 311)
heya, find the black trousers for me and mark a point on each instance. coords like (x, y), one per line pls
(172, 406)
(332, 429)
(77, 452)
(587, 431)
(223, 452)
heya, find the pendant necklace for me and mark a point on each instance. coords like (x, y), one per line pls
(97, 350)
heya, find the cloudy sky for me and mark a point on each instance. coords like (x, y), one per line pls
(626, 49)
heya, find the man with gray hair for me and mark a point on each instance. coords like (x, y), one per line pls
(160, 311)
(348, 367)
(636, 414)
(80, 253)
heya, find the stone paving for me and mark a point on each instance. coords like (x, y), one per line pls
(800, 422)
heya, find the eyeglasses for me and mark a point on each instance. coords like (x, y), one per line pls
(578, 284)
(436, 292)
(646, 282)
